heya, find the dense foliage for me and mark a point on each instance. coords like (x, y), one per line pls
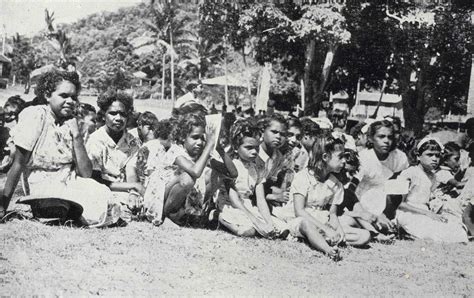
(420, 52)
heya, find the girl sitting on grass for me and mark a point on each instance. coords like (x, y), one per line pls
(238, 215)
(189, 184)
(380, 162)
(315, 196)
(413, 214)
(274, 129)
(50, 151)
(111, 147)
(155, 168)
(355, 213)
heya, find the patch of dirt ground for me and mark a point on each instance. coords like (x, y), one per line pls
(143, 260)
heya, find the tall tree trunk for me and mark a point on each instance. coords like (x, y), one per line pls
(327, 68)
(226, 88)
(308, 82)
(379, 103)
(325, 74)
(172, 65)
(413, 117)
(27, 84)
(247, 72)
(163, 65)
(199, 46)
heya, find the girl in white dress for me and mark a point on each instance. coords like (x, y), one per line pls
(378, 163)
(413, 214)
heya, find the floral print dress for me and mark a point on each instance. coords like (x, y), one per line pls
(108, 157)
(50, 169)
(166, 172)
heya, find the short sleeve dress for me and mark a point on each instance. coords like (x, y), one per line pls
(319, 197)
(373, 175)
(250, 174)
(50, 170)
(165, 173)
(108, 157)
(422, 184)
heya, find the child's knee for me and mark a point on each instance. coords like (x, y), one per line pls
(305, 226)
(364, 237)
(347, 221)
(246, 232)
(186, 181)
(238, 230)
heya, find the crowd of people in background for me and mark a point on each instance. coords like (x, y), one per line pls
(261, 175)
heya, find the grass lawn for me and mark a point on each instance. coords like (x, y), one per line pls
(144, 260)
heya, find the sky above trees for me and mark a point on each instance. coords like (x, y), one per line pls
(27, 17)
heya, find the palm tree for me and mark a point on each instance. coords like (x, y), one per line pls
(171, 33)
(57, 38)
(23, 57)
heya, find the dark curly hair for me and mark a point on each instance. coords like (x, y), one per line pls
(309, 127)
(48, 82)
(165, 128)
(191, 108)
(16, 100)
(243, 128)
(352, 159)
(323, 144)
(147, 118)
(84, 109)
(376, 126)
(265, 122)
(294, 122)
(186, 124)
(106, 99)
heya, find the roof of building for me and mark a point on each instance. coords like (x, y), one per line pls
(368, 97)
(4, 59)
(234, 80)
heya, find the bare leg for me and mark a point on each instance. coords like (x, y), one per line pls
(468, 218)
(316, 240)
(175, 194)
(356, 237)
(236, 230)
(361, 224)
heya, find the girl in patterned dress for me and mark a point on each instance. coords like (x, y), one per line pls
(111, 147)
(154, 168)
(51, 153)
(185, 185)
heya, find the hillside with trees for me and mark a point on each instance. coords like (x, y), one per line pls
(421, 52)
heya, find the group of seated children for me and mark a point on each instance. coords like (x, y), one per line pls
(264, 176)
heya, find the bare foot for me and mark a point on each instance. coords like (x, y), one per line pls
(334, 255)
(384, 239)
